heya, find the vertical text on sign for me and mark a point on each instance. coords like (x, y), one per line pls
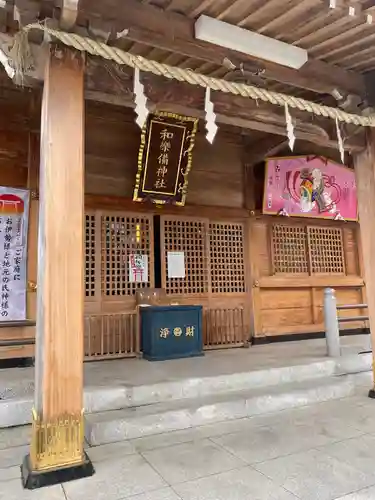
(165, 158)
(166, 137)
(14, 210)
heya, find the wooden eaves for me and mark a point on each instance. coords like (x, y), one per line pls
(170, 35)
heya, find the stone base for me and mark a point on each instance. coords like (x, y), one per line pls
(371, 393)
(32, 480)
(16, 363)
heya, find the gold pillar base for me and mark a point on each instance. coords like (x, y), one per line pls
(57, 443)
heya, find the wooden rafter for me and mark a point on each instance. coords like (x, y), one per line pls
(269, 146)
(68, 16)
(172, 32)
(169, 35)
(368, 4)
(107, 82)
(26, 11)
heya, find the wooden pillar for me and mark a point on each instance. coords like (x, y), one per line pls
(365, 178)
(56, 452)
(32, 257)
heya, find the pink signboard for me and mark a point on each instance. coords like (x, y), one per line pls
(309, 186)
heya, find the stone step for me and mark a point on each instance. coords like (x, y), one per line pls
(98, 399)
(17, 410)
(130, 423)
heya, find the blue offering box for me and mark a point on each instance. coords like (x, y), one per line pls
(171, 332)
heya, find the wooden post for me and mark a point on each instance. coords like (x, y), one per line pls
(56, 452)
(32, 258)
(365, 178)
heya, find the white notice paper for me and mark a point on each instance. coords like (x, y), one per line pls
(176, 264)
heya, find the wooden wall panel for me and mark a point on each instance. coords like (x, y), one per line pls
(216, 177)
(13, 159)
(32, 259)
(348, 296)
(16, 106)
(351, 296)
(285, 298)
(345, 295)
(280, 319)
(351, 251)
(11, 175)
(262, 252)
(318, 305)
(111, 142)
(293, 303)
(32, 252)
(103, 184)
(210, 188)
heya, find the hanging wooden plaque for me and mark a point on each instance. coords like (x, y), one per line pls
(165, 158)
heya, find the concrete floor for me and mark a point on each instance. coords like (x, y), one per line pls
(19, 382)
(320, 452)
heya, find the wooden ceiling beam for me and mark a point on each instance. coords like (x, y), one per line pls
(246, 121)
(68, 15)
(254, 154)
(172, 32)
(26, 11)
(115, 85)
(269, 146)
(370, 88)
(368, 4)
(3, 15)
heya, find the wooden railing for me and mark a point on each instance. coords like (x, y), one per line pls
(113, 336)
(333, 321)
(109, 336)
(224, 328)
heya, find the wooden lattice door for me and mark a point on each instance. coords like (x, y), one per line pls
(91, 257)
(227, 316)
(215, 274)
(326, 250)
(227, 257)
(289, 249)
(188, 236)
(125, 237)
(309, 250)
(114, 243)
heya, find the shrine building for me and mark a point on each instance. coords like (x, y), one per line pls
(143, 156)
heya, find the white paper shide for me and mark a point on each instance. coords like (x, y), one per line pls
(289, 128)
(14, 214)
(211, 126)
(141, 109)
(176, 264)
(340, 141)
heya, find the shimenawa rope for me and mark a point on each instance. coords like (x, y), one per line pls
(101, 49)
